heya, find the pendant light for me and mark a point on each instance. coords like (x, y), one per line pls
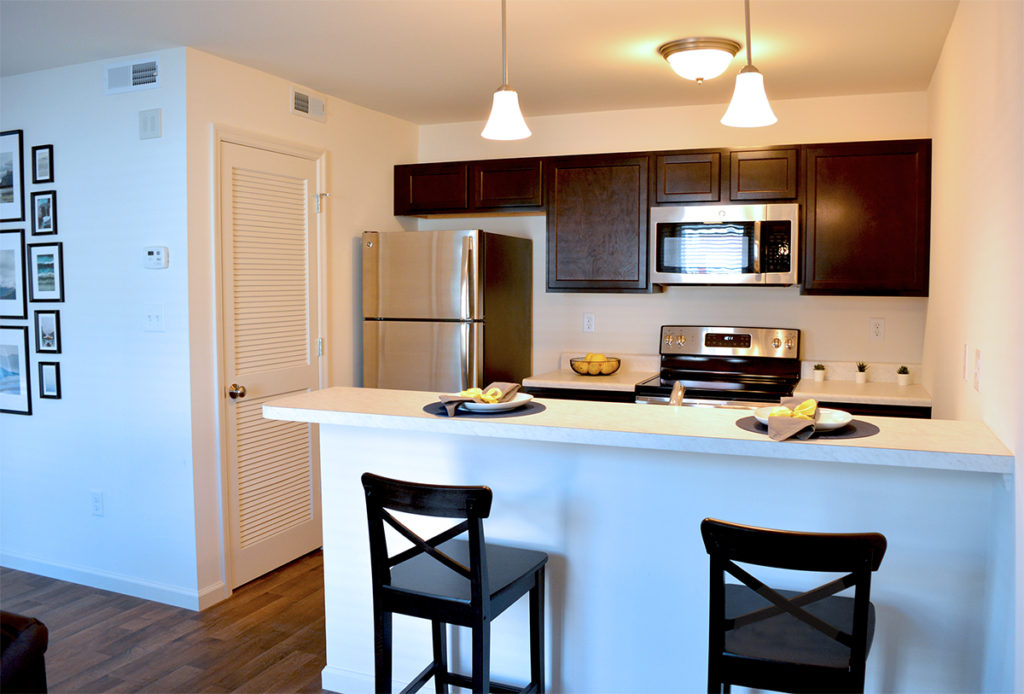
(749, 107)
(506, 120)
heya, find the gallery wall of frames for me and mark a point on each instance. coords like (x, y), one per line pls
(31, 275)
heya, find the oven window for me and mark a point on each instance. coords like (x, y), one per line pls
(706, 249)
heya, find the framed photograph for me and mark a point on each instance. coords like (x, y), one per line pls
(44, 212)
(12, 177)
(45, 272)
(48, 332)
(14, 380)
(12, 274)
(42, 164)
(49, 380)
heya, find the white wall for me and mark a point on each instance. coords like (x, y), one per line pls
(977, 290)
(361, 147)
(122, 424)
(835, 328)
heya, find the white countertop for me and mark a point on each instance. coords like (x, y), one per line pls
(902, 442)
(885, 393)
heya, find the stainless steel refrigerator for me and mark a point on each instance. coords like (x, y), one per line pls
(445, 310)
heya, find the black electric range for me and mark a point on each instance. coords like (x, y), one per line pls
(724, 366)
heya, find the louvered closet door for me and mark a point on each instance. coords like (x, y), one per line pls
(270, 331)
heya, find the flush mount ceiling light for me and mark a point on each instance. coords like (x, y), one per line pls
(506, 120)
(749, 107)
(701, 58)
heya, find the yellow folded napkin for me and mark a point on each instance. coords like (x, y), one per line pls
(499, 391)
(793, 417)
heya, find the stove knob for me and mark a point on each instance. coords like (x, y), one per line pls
(680, 340)
(776, 342)
(789, 343)
(668, 340)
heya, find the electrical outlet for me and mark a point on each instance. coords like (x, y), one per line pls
(96, 497)
(153, 318)
(588, 322)
(876, 329)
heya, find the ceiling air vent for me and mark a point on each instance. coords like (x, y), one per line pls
(308, 105)
(133, 76)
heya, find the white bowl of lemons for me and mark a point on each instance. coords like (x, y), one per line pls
(594, 364)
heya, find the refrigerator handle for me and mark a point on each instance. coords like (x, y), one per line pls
(466, 356)
(467, 279)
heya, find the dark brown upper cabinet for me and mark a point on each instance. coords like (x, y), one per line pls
(597, 223)
(767, 174)
(868, 218)
(469, 187)
(691, 177)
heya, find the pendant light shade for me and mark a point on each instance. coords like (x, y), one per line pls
(699, 59)
(506, 120)
(749, 107)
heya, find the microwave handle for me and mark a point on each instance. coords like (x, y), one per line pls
(757, 248)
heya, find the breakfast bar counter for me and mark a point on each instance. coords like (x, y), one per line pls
(615, 492)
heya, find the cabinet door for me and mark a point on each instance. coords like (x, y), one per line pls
(597, 223)
(691, 177)
(424, 188)
(868, 218)
(506, 183)
(769, 174)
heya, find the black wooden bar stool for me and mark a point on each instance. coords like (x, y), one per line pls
(813, 641)
(448, 581)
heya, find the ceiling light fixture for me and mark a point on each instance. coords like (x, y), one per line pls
(506, 120)
(749, 107)
(701, 58)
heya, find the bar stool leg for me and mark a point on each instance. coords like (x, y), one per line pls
(537, 633)
(382, 652)
(482, 657)
(440, 657)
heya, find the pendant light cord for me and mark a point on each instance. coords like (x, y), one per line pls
(746, 13)
(504, 48)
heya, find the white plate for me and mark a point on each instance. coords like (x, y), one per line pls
(518, 400)
(827, 419)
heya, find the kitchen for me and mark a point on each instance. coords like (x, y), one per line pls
(976, 181)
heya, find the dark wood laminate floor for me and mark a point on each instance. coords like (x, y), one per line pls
(267, 637)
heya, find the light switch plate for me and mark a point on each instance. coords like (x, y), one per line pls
(155, 257)
(150, 124)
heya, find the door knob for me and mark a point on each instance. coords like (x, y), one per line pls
(236, 391)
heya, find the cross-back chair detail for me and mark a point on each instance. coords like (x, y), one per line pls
(778, 653)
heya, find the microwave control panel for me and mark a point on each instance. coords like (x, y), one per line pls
(775, 256)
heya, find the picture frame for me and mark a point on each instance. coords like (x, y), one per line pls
(12, 176)
(47, 332)
(44, 212)
(12, 274)
(15, 383)
(49, 380)
(42, 164)
(45, 272)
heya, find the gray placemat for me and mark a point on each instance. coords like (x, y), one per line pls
(437, 409)
(856, 429)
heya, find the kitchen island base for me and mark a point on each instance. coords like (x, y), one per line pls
(628, 574)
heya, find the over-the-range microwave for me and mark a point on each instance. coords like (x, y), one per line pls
(724, 244)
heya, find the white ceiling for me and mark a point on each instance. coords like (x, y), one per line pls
(436, 61)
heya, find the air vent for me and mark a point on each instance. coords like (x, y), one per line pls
(308, 105)
(133, 76)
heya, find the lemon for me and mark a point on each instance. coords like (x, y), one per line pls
(594, 369)
(608, 367)
(595, 356)
(579, 367)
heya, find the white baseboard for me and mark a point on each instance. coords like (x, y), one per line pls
(335, 679)
(118, 583)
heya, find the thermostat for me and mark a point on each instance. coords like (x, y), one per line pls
(155, 257)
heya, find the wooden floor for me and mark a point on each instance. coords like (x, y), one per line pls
(268, 637)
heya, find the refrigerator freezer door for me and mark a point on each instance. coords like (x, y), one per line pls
(423, 275)
(442, 357)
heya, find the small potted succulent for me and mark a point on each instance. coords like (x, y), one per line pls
(819, 373)
(903, 376)
(862, 372)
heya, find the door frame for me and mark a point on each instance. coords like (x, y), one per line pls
(219, 135)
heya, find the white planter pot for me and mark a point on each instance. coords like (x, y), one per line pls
(903, 379)
(819, 376)
(861, 376)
